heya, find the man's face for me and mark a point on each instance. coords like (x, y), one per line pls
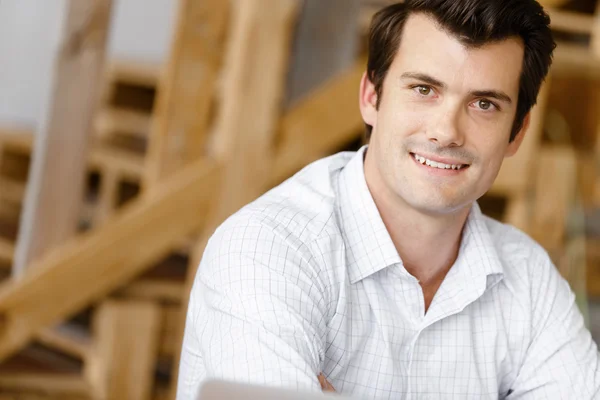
(446, 105)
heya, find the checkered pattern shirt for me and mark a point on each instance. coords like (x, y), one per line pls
(306, 280)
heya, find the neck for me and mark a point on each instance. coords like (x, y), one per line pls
(428, 244)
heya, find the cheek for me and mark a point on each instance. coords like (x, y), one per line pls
(492, 157)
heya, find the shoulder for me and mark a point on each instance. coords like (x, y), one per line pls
(527, 265)
(276, 232)
(513, 245)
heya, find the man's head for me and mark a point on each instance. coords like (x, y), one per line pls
(474, 23)
(451, 81)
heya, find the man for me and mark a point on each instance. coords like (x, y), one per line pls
(375, 271)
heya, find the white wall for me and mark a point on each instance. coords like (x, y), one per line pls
(141, 29)
(29, 34)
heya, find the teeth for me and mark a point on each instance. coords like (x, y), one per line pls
(435, 164)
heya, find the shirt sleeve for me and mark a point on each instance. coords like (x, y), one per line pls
(256, 313)
(562, 360)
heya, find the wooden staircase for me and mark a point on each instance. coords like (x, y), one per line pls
(131, 268)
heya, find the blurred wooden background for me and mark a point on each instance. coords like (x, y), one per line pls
(106, 204)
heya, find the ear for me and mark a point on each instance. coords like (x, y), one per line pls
(368, 101)
(516, 143)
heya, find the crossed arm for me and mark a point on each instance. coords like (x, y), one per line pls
(257, 314)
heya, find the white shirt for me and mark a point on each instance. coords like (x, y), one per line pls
(306, 279)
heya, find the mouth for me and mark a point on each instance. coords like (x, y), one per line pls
(437, 165)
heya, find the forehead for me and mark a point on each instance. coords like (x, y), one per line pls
(427, 48)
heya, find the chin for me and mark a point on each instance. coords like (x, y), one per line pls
(439, 206)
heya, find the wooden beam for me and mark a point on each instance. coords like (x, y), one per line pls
(169, 342)
(185, 94)
(108, 196)
(57, 174)
(595, 43)
(88, 267)
(593, 267)
(575, 60)
(128, 165)
(326, 43)
(127, 336)
(7, 250)
(571, 22)
(69, 339)
(320, 123)
(11, 191)
(554, 193)
(49, 384)
(517, 172)
(156, 290)
(16, 139)
(134, 73)
(253, 90)
(518, 212)
(114, 120)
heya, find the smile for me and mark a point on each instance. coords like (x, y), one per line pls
(438, 165)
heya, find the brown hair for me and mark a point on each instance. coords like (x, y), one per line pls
(474, 23)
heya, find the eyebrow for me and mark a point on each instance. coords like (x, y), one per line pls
(495, 94)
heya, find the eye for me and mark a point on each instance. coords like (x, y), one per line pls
(423, 90)
(486, 105)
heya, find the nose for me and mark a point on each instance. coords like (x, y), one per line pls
(445, 129)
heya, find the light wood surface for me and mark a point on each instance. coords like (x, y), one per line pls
(186, 91)
(89, 267)
(126, 348)
(57, 176)
(555, 191)
(320, 123)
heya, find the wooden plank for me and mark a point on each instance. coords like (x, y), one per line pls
(11, 191)
(185, 94)
(57, 175)
(114, 120)
(7, 250)
(516, 172)
(595, 42)
(575, 60)
(23, 395)
(250, 79)
(122, 365)
(88, 267)
(571, 22)
(318, 57)
(126, 164)
(518, 212)
(319, 124)
(69, 339)
(50, 384)
(554, 192)
(253, 88)
(134, 72)
(593, 267)
(108, 196)
(596, 183)
(155, 290)
(16, 139)
(169, 341)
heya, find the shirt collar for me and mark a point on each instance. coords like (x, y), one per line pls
(478, 254)
(369, 246)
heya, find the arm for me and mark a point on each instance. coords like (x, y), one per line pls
(562, 359)
(256, 313)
